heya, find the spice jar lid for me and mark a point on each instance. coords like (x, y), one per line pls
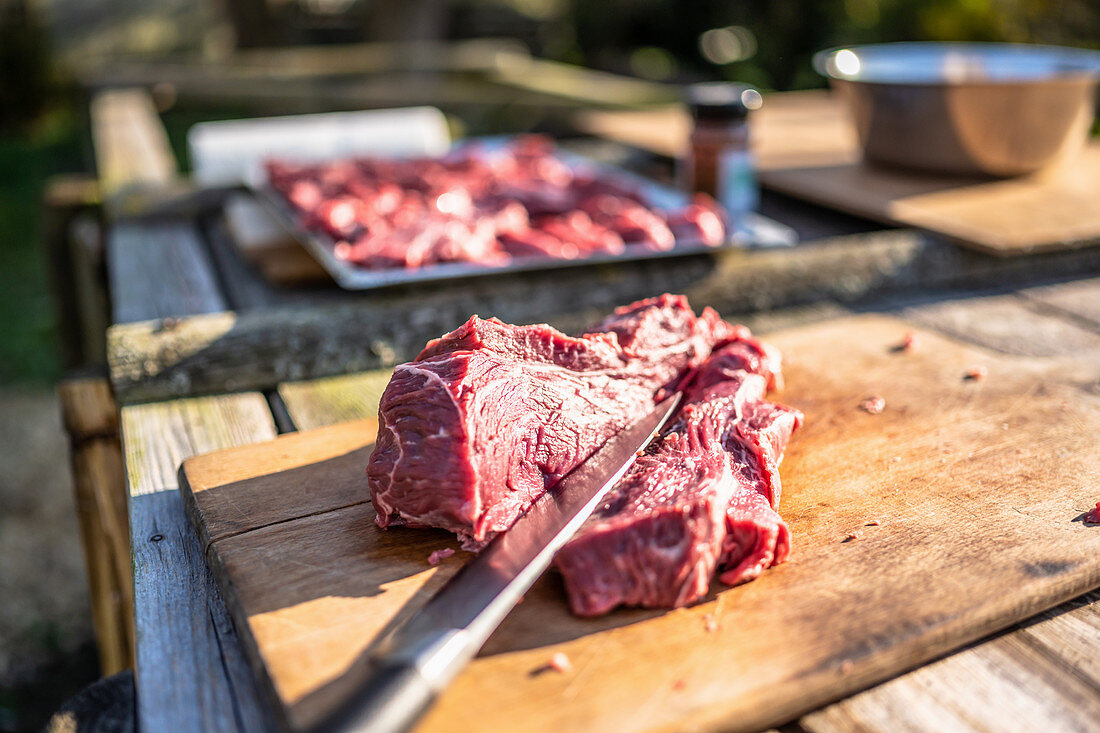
(722, 100)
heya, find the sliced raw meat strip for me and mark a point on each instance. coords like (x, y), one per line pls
(657, 542)
(700, 221)
(535, 242)
(588, 236)
(756, 538)
(631, 220)
(700, 499)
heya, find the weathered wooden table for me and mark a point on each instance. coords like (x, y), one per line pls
(205, 354)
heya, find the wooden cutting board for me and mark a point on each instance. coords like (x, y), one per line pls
(955, 512)
(806, 147)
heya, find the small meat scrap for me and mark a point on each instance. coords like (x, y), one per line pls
(1093, 517)
(710, 623)
(873, 405)
(560, 663)
(440, 555)
(873, 523)
(975, 373)
(852, 536)
(908, 342)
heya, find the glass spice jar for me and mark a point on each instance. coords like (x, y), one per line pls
(718, 161)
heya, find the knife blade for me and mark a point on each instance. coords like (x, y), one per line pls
(419, 659)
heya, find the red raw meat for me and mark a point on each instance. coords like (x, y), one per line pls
(588, 236)
(702, 220)
(701, 499)
(529, 242)
(631, 220)
(489, 416)
(521, 201)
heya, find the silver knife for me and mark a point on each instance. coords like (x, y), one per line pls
(419, 659)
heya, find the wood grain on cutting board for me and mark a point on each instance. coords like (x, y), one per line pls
(978, 487)
(1044, 212)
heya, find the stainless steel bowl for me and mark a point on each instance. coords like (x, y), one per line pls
(971, 109)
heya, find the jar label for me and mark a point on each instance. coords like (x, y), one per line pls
(737, 188)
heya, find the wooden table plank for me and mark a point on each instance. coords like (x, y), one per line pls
(160, 269)
(1001, 686)
(191, 674)
(1008, 324)
(131, 145)
(469, 76)
(1071, 633)
(316, 403)
(1078, 300)
(305, 339)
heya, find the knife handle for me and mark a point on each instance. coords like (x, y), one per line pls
(391, 702)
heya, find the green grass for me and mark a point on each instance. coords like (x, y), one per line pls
(28, 328)
(29, 350)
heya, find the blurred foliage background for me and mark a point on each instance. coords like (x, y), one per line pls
(770, 42)
(45, 43)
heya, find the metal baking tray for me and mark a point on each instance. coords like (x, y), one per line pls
(752, 230)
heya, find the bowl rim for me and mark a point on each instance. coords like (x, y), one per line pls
(1088, 60)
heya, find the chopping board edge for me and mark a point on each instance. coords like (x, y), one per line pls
(276, 710)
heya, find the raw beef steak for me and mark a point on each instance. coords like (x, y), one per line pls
(491, 415)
